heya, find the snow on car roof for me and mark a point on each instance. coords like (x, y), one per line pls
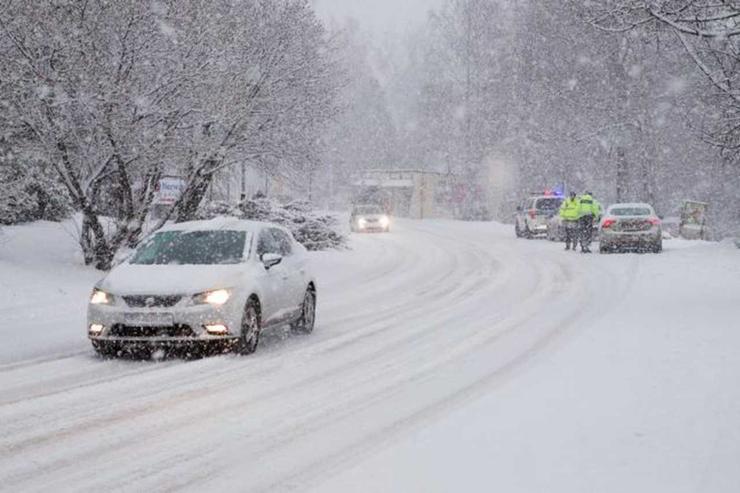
(219, 223)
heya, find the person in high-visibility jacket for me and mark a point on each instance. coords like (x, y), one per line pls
(589, 209)
(570, 213)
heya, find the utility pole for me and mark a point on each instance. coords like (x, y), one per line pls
(243, 192)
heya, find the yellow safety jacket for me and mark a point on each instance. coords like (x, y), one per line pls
(588, 206)
(569, 209)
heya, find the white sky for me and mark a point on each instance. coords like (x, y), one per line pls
(377, 16)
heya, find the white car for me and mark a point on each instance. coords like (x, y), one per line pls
(204, 283)
(631, 225)
(533, 215)
(366, 218)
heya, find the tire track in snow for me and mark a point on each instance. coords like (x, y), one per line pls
(380, 365)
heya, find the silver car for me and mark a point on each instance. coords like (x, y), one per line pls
(630, 226)
(203, 284)
(367, 218)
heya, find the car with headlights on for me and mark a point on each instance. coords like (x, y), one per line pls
(632, 226)
(204, 284)
(368, 218)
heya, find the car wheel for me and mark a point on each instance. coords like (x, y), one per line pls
(658, 246)
(307, 319)
(527, 232)
(103, 349)
(251, 328)
(517, 231)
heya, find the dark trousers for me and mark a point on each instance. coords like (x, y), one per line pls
(585, 231)
(571, 233)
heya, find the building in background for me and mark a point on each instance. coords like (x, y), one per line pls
(409, 193)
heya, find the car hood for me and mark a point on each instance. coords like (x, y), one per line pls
(370, 216)
(171, 279)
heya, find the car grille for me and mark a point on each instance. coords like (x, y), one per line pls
(120, 330)
(142, 301)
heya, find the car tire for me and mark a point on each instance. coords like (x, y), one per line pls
(251, 328)
(307, 320)
(658, 246)
(517, 231)
(603, 249)
(103, 349)
(527, 232)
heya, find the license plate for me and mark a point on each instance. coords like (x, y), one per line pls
(148, 319)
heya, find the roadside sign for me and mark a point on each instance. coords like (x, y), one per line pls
(169, 190)
(693, 220)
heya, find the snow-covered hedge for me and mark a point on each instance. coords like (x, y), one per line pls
(313, 230)
(31, 193)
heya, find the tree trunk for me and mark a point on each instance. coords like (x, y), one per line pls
(95, 246)
(192, 197)
(622, 175)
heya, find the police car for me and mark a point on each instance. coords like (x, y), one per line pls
(534, 213)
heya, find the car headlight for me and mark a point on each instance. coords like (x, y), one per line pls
(385, 221)
(216, 297)
(100, 297)
(362, 222)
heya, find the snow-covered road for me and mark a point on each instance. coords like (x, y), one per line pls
(448, 356)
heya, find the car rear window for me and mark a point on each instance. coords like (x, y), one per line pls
(549, 204)
(192, 248)
(630, 211)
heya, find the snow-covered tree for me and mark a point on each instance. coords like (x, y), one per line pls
(114, 94)
(363, 134)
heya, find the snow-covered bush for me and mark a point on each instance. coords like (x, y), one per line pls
(31, 194)
(313, 230)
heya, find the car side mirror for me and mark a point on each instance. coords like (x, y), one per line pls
(271, 260)
(519, 208)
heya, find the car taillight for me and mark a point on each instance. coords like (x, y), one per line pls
(608, 223)
(654, 221)
(532, 213)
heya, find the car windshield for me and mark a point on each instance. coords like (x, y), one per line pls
(368, 209)
(192, 248)
(630, 211)
(549, 204)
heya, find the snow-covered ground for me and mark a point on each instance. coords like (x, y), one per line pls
(448, 357)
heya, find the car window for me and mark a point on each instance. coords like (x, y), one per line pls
(192, 248)
(368, 209)
(630, 211)
(283, 242)
(267, 243)
(548, 204)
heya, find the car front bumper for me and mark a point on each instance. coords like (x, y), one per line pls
(161, 325)
(371, 227)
